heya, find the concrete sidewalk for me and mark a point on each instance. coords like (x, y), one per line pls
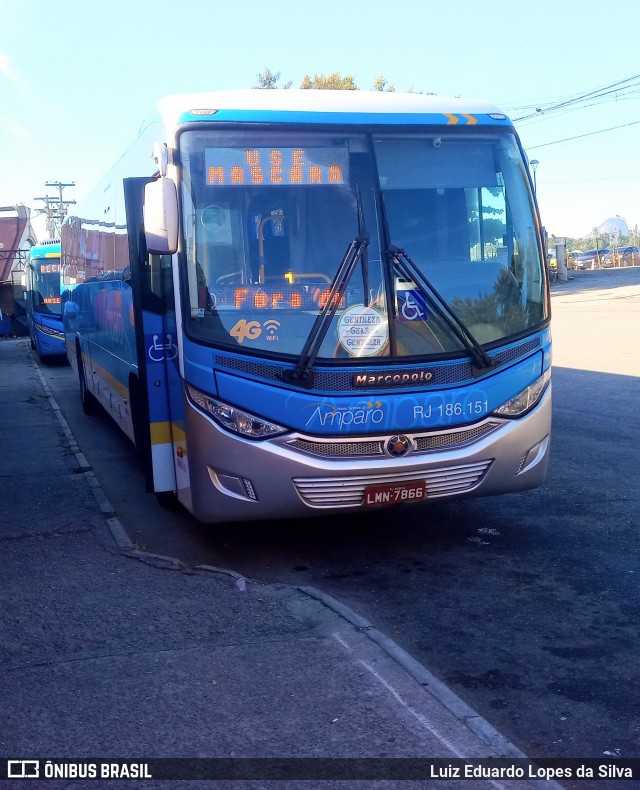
(106, 651)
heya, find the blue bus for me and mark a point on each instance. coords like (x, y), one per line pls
(316, 302)
(43, 302)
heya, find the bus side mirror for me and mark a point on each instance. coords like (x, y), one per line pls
(160, 213)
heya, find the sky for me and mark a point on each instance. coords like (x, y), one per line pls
(78, 78)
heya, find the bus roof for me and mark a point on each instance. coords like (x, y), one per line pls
(48, 248)
(327, 106)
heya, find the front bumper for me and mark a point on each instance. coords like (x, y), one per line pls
(231, 479)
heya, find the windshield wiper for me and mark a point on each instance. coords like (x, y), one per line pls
(481, 361)
(362, 231)
(300, 374)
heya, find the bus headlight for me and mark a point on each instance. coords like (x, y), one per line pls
(47, 330)
(235, 420)
(525, 401)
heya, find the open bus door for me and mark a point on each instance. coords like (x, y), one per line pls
(156, 399)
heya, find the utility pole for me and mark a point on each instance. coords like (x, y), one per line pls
(55, 208)
(595, 236)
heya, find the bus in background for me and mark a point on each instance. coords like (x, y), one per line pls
(43, 303)
(316, 302)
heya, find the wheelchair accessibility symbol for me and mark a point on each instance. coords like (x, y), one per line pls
(412, 305)
(159, 350)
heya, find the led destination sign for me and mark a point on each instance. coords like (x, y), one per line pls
(258, 297)
(277, 166)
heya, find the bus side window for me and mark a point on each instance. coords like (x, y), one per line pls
(157, 294)
(161, 281)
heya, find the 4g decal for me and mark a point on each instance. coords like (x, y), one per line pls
(252, 330)
(246, 330)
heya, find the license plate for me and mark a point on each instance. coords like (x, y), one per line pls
(395, 493)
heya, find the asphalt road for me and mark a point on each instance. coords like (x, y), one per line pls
(527, 605)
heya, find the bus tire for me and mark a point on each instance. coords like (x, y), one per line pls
(87, 399)
(136, 416)
(44, 360)
(168, 501)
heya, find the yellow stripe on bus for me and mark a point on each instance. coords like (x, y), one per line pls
(166, 433)
(108, 378)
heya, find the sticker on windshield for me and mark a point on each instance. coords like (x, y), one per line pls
(412, 303)
(363, 331)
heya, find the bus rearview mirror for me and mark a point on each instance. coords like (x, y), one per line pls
(161, 216)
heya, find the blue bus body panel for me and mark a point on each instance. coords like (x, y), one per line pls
(49, 343)
(199, 365)
(380, 411)
(164, 394)
(301, 106)
(435, 406)
(161, 350)
(356, 119)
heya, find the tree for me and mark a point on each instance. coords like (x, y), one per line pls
(269, 81)
(380, 84)
(334, 82)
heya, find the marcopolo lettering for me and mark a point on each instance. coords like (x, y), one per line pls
(391, 378)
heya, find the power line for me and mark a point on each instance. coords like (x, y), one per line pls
(595, 178)
(579, 136)
(605, 91)
(619, 98)
(597, 93)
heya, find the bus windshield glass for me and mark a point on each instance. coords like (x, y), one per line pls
(271, 217)
(45, 278)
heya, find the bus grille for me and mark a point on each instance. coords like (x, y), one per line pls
(338, 449)
(439, 441)
(327, 492)
(443, 440)
(448, 373)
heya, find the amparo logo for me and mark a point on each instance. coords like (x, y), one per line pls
(328, 415)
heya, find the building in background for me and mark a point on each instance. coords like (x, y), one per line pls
(16, 239)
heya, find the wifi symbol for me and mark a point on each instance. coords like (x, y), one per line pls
(271, 326)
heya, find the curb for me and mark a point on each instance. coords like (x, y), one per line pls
(436, 688)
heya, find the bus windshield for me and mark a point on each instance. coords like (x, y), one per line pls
(270, 218)
(45, 279)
